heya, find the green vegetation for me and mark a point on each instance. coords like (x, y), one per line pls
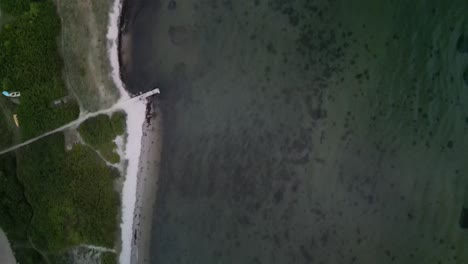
(30, 63)
(14, 7)
(100, 132)
(109, 258)
(83, 44)
(118, 121)
(15, 212)
(56, 199)
(33, 122)
(29, 50)
(6, 135)
(73, 199)
(28, 256)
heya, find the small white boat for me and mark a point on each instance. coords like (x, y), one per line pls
(12, 94)
(15, 94)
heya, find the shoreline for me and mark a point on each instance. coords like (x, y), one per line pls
(147, 179)
(142, 148)
(134, 123)
(123, 41)
(113, 36)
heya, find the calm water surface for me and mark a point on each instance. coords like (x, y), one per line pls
(307, 131)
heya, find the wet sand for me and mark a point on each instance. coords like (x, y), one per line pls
(146, 185)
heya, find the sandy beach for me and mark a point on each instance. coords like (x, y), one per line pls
(6, 254)
(146, 185)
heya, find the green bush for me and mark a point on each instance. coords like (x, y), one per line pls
(118, 121)
(28, 256)
(109, 258)
(71, 194)
(15, 212)
(29, 52)
(100, 132)
(56, 198)
(14, 7)
(30, 63)
(6, 134)
(37, 115)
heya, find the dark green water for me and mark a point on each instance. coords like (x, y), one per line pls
(307, 131)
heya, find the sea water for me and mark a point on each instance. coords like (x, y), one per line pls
(307, 131)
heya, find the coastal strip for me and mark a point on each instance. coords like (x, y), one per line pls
(135, 123)
(142, 150)
(147, 184)
(135, 120)
(6, 253)
(113, 37)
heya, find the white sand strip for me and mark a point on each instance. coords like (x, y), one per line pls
(6, 254)
(132, 153)
(147, 188)
(113, 39)
(135, 121)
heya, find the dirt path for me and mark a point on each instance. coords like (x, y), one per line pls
(119, 106)
(44, 255)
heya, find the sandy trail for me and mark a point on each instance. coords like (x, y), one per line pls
(128, 106)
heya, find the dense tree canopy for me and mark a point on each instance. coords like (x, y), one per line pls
(14, 7)
(100, 132)
(5, 132)
(37, 114)
(30, 63)
(29, 52)
(55, 198)
(15, 212)
(71, 194)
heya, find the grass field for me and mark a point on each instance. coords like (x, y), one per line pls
(69, 202)
(30, 63)
(83, 44)
(73, 198)
(51, 199)
(6, 118)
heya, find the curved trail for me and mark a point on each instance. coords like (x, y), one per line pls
(100, 249)
(77, 122)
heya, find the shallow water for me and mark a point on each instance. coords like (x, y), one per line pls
(307, 131)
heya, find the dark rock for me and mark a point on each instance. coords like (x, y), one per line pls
(462, 44)
(172, 5)
(450, 144)
(464, 218)
(179, 34)
(465, 76)
(278, 196)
